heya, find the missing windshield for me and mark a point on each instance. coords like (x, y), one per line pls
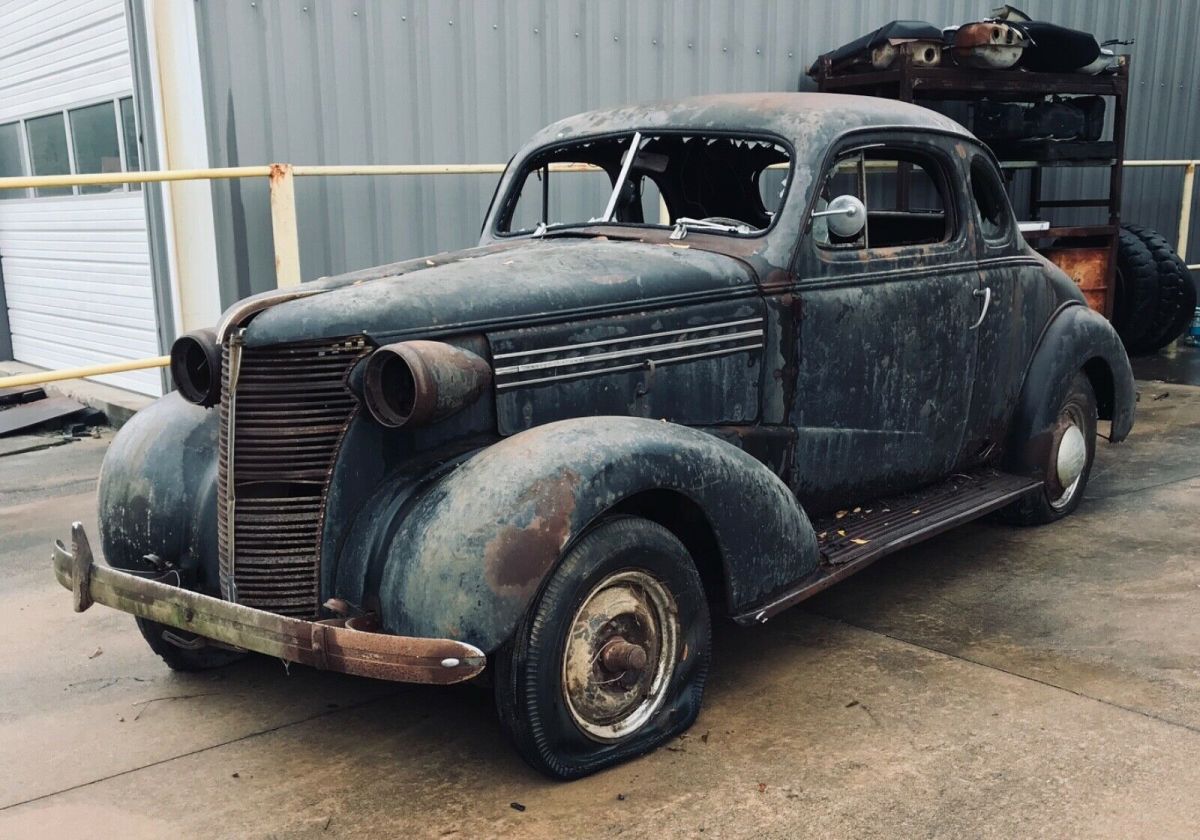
(713, 183)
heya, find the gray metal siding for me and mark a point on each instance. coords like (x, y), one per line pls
(405, 81)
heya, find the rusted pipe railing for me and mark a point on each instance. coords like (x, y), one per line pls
(281, 177)
(22, 380)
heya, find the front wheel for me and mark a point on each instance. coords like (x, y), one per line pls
(184, 651)
(1071, 450)
(611, 660)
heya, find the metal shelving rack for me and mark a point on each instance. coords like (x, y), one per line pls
(1092, 261)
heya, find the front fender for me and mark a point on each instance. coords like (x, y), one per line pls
(157, 490)
(474, 548)
(1076, 339)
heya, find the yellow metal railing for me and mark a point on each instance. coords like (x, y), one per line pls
(287, 242)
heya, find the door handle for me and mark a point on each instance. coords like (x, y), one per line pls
(986, 291)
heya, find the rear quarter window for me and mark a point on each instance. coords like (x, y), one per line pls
(991, 201)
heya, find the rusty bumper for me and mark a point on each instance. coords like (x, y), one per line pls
(321, 644)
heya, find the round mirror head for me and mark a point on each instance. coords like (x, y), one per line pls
(846, 216)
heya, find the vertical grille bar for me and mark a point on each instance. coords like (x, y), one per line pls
(284, 411)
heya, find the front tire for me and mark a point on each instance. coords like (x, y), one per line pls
(1068, 463)
(198, 655)
(611, 660)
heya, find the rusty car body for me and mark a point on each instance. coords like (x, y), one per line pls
(534, 453)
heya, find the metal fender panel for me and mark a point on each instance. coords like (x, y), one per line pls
(158, 487)
(1077, 338)
(474, 549)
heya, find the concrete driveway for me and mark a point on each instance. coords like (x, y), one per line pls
(992, 682)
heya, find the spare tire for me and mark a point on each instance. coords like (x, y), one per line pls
(1136, 294)
(1174, 292)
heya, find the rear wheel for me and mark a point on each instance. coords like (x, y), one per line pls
(611, 660)
(1068, 461)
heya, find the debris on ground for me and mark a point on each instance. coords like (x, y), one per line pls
(516, 806)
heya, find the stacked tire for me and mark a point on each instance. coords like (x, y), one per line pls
(1155, 294)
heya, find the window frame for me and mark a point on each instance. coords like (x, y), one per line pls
(30, 193)
(906, 150)
(1008, 223)
(23, 155)
(506, 205)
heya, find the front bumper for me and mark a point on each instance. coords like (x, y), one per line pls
(322, 644)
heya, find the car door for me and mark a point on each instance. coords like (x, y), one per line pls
(1017, 300)
(885, 355)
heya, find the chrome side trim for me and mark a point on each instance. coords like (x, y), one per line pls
(627, 338)
(725, 351)
(571, 361)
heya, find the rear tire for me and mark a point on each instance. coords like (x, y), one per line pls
(1170, 295)
(1068, 463)
(204, 657)
(1137, 291)
(611, 659)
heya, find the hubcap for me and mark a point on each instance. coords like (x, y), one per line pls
(1070, 458)
(620, 654)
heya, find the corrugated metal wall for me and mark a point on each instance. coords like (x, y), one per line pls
(406, 81)
(76, 268)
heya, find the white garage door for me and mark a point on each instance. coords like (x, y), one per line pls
(75, 262)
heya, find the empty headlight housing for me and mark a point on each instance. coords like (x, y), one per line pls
(196, 367)
(413, 383)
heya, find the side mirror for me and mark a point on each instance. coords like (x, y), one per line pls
(847, 216)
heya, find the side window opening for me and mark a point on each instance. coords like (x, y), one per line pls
(905, 197)
(991, 201)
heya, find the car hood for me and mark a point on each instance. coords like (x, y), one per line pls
(506, 284)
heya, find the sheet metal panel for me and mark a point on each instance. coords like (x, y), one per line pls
(417, 81)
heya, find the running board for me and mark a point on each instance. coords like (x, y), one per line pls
(850, 540)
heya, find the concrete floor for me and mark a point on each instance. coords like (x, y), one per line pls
(992, 682)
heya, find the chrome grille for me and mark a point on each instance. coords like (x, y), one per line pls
(284, 410)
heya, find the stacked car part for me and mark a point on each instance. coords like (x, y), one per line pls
(1038, 94)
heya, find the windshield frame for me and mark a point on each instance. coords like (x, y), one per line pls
(504, 206)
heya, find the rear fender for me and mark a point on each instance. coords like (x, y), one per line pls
(474, 548)
(1076, 339)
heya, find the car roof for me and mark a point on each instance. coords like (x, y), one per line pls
(801, 118)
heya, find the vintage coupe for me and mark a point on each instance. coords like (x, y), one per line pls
(709, 357)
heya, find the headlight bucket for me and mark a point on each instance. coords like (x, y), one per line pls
(196, 367)
(414, 383)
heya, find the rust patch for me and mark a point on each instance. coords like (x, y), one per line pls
(1087, 267)
(516, 559)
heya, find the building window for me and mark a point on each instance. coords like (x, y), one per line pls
(129, 129)
(12, 161)
(48, 153)
(100, 138)
(97, 149)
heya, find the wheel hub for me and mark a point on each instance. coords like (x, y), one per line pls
(619, 655)
(1070, 457)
